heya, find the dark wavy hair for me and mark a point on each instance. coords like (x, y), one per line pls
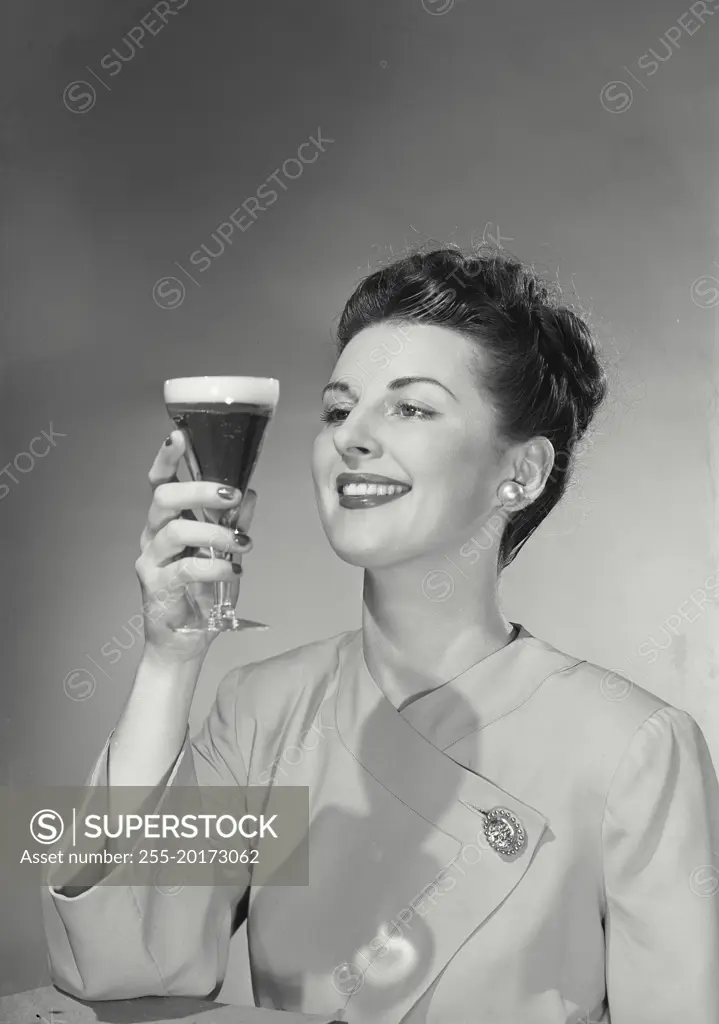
(540, 367)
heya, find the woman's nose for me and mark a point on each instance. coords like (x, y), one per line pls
(355, 436)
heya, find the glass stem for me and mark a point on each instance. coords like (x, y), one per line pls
(226, 595)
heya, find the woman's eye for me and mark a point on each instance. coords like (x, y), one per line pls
(411, 411)
(405, 409)
(334, 414)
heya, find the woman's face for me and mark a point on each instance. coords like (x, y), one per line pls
(430, 443)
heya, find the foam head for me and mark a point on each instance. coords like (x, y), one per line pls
(260, 391)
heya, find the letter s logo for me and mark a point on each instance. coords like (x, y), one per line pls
(46, 826)
(705, 292)
(79, 97)
(168, 292)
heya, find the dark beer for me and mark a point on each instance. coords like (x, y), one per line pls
(223, 420)
(222, 441)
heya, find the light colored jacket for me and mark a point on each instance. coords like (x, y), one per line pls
(608, 913)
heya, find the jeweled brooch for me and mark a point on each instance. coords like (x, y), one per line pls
(503, 831)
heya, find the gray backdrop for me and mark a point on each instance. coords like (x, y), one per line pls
(549, 129)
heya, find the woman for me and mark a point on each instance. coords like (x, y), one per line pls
(493, 837)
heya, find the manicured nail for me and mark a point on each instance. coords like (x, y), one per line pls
(240, 537)
(168, 439)
(237, 569)
(228, 493)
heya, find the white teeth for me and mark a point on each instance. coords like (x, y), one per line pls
(379, 489)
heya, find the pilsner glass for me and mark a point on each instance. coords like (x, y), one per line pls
(224, 421)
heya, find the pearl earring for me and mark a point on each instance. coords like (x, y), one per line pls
(510, 493)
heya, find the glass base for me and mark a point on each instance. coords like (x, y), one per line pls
(223, 625)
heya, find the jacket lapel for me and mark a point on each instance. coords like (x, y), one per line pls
(464, 876)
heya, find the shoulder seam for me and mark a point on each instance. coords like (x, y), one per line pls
(609, 790)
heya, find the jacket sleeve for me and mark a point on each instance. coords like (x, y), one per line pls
(660, 840)
(122, 941)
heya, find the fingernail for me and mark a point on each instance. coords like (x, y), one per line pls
(237, 569)
(226, 492)
(168, 439)
(240, 537)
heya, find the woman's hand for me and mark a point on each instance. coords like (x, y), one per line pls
(166, 568)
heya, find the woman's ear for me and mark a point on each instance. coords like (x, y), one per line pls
(534, 466)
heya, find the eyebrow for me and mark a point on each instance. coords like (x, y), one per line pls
(394, 385)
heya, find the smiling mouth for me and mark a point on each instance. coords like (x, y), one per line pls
(365, 492)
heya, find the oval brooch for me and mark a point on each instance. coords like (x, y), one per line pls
(503, 831)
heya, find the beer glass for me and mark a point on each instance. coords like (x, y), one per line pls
(224, 421)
